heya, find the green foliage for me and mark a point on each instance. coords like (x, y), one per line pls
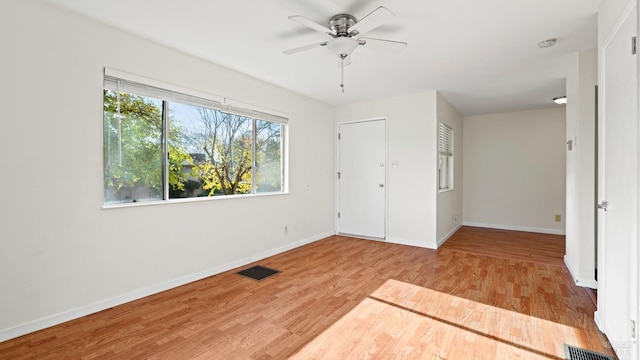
(133, 148)
(132, 144)
(178, 158)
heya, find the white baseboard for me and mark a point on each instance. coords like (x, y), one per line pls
(448, 235)
(516, 228)
(598, 321)
(588, 283)
(421, 244)
(71, 314)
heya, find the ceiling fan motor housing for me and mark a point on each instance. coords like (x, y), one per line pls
(341, 23)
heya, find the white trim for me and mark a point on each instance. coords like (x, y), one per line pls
(71, 314)
(376, 118)
(631, 4)
(363, 237)
(587, 283)
(421, 244)
(635, 303)
(516, 228)
(189, 200)
(448, 235)
(597, 319)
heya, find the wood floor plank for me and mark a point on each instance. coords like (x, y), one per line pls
(485, 294)
(517, 245)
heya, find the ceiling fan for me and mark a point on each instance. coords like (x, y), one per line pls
(343, 29)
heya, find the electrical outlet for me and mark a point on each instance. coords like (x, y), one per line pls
(558, 218)
(454, 218)
(286, 229)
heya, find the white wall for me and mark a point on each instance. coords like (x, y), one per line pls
(449, 207)
(61, 254)
(514, 170)
(582, 78)
(412, 142)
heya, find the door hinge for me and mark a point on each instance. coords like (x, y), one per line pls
(338, 136)
(338, 214)
(634, 45)
(338, 175)
(633, 329)
(603, 205)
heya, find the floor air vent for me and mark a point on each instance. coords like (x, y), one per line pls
(258, 272)
(576, 353)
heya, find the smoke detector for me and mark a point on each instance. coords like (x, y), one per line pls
(547, 43)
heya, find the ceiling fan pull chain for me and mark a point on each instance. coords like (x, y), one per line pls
(342, 56)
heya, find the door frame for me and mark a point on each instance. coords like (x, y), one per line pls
(636, 301)
(386, 173)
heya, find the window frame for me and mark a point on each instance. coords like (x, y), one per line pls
(116, 80)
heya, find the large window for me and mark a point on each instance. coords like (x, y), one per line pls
(445, 157)
(161, 145)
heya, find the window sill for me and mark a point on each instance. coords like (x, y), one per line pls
(189, 200)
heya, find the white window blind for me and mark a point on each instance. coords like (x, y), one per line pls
(445, 157)
(445, 140)
(122, 82)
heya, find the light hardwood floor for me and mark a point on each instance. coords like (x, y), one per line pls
(485, 294)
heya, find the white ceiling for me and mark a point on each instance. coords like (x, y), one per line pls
(482, 55)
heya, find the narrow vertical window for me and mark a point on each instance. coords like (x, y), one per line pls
(445, 157)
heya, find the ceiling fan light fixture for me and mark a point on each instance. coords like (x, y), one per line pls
(342, 46)
(560, 100)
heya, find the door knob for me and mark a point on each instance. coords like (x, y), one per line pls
(381, 185)
(603, 205)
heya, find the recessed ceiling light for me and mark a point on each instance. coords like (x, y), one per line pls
(546, 43)
(560, 100)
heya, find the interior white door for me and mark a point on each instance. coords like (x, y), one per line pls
(362, 175)
(618, 190)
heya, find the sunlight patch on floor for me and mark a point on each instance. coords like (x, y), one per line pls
(413, 322)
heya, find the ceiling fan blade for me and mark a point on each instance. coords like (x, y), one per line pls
(307, 47)
(380, 44)
(347, 61)
(310, 24)
(375, 18)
